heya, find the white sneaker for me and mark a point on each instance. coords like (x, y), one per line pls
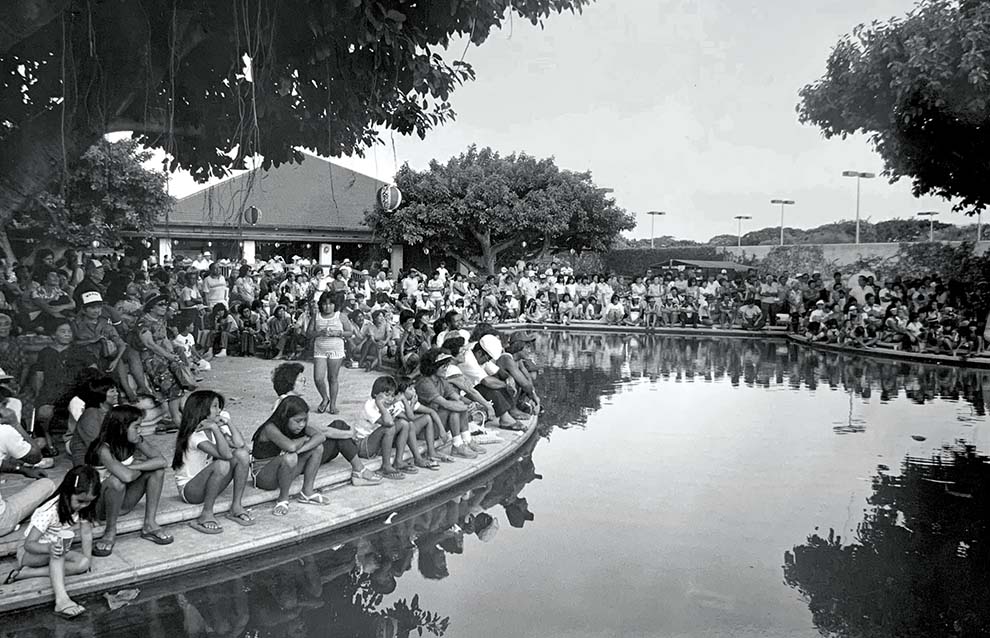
(221, 354)
(44, 464)
(463, 451)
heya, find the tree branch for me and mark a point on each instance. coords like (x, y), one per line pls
(22, 18)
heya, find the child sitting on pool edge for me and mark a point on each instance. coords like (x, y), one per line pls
(380, 430)
(48, 539)
(288, 380)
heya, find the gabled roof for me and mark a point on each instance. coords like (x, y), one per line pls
(313, 194)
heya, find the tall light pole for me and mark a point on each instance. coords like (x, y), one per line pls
(782, 202)
(739, 219)
(930, 214)
(979, 226)
(858, 175)
(653, 216)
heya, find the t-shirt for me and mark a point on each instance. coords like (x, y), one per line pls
(472, 370)
(12, 445)
(369, 423)
(45, 520)
(184, 343)
(429, 389)
(86, 430)
(195, 460)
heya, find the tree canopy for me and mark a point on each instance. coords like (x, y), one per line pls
(109, 191)
(213, 84)
(480, 206)
(919, 88)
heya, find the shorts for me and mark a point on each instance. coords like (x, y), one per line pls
(332, 348)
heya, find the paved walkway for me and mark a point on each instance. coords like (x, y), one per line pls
(247, 385)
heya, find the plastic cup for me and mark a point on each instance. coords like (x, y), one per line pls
(65, 538)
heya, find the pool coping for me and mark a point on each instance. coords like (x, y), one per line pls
(975, 362)
(135, 561)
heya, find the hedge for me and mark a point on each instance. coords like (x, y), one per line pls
(635, 261)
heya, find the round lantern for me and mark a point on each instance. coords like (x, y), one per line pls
(389, 197)
(96, 244)
(252, 215)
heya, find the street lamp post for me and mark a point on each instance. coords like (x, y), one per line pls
(858, 175)
(653, 216)
(739, 219)
(979, 226)
(930, 214)
(782, 202)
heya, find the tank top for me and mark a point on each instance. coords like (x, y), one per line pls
(332, 322)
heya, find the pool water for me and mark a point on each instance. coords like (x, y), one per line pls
(679, 487)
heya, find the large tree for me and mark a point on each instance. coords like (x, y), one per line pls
(214, 83)
(480, 205)
(919, 87)
(108, 192)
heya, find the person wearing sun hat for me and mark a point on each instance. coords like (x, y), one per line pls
(436, 392)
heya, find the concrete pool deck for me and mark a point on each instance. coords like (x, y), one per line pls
(246, 383)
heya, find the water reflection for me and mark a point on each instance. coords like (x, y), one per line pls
(615, 359)
(919, 563)
(315, 590)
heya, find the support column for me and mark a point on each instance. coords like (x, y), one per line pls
(247, 251)
(326, 254)
(396, 261)
(164, 250)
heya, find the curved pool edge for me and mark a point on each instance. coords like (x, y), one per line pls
(136, 561)
(975, 362)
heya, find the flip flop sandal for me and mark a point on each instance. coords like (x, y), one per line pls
(71, 612)
(443, 458)
(281, 508)
(158, 537)
(12, 576)
(394, 475)
(102, 549)
(314, 499)
(243, 519)
(408, 469)
(209, 527)
(429, 465)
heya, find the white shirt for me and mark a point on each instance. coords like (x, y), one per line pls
(472, 370)
(12, 445)
(45, 520)
(195, 460)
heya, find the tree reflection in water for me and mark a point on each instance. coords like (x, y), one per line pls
(919, 565)
(614, 359)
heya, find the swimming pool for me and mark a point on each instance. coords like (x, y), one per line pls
(681, 487)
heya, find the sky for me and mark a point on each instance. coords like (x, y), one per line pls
(682, 106)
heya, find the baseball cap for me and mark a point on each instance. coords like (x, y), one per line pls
(4, 376)
(443, 357)
(491, 345)
(819, 303)
(90, 297)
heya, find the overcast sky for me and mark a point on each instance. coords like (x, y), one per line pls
(682, 106)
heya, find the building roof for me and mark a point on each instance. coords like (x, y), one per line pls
(313, 195)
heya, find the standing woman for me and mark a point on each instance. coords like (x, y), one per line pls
(328, 328)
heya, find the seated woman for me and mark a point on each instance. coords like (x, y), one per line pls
(48, 539)
(377, 334)
(51, 302)
(435, 391)
(99, 395)
(162, 366)
(284, 447)
(209, 454)
(249, 330)
(614, 313)
(52, 377)
(130, 469)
